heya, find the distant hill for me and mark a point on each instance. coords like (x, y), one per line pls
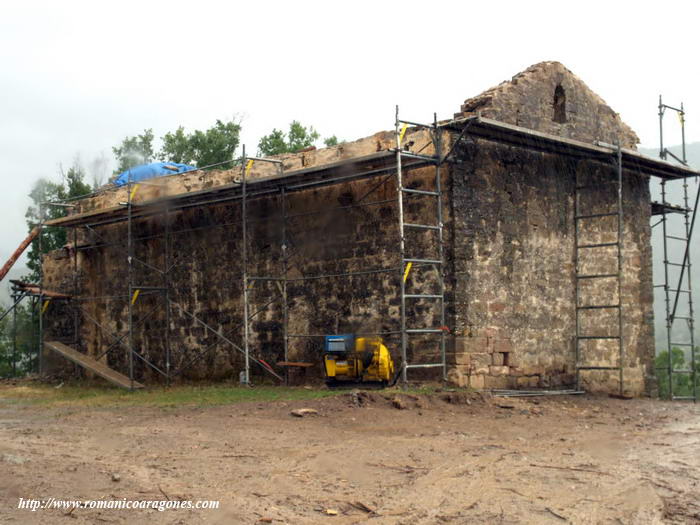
(675, 196)
(692, 152)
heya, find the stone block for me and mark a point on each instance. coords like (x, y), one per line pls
(502, 345)
(533, 370)
(499, 382)
(457, 378)
(528, 382)
(570, 379)
(471, 344)
(498, 370)
(497, 307)
(480, 363)
(476, 381)
(462, 358)
(489, 332)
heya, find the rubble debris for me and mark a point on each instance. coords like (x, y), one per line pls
(398, 403)
(302, 412)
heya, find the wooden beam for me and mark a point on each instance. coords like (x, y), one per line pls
(19, 251)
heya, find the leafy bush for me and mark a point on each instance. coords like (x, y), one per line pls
(682, 382)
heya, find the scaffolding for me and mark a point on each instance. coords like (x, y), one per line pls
(436, 261)
(677, 222)
(280, 185)
(387, 165)
(585, 251)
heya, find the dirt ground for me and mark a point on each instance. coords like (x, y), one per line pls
(442, 458)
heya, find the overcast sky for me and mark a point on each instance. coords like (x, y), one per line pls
(76, 77)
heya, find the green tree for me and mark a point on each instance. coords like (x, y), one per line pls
(202, 148)
(176, 147)
(134, 151)
(6, 349)
(44, 191)
(682, 383)
(74, 180)
(298, 137)
(18, 343)
(331, 141)
(273, 144)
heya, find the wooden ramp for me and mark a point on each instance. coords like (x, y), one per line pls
(89, 363)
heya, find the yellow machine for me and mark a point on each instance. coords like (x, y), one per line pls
(362, 359)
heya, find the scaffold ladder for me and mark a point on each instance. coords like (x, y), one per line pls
(677, 280)
(583, 253)
(413, 260)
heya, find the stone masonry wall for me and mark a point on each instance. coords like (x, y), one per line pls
(509, 275)
(514, 271)
(356, 231)
(548, 97)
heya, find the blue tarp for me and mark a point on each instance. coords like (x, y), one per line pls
(149, 171)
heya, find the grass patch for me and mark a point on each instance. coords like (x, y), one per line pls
(187, 395)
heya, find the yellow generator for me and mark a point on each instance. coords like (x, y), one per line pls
(357, 359)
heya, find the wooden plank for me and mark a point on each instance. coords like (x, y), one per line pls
(295, 363)
(35, 289)
(91, 364)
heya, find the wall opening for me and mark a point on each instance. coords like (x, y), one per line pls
(559, 105)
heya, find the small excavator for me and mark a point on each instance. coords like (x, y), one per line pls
(349, 360)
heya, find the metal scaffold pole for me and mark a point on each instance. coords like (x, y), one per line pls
(40, 305)
(33, 305)
(662, 149)
(674, 287)
(667, 292)
(402, 250)
(76, 321)
(285, 269)
(415, 261)
(620, 237)
(587, 251)
(14, 335)
(166, 292)
(76, 291)
(441, 249)
(244, 226)
(130, 296)
(689, 226)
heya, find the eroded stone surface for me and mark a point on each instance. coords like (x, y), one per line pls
(548, 97)
(509, 248)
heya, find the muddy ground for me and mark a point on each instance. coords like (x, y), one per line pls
(441, 458)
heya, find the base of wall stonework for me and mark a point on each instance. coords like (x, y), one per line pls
(509, 377)
(514, 378)
(608, 382)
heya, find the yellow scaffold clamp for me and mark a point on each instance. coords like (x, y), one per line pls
(133, 192)
(46, 305)
(248, 167)
(407, 271)
(135, 296)
(402, 133)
